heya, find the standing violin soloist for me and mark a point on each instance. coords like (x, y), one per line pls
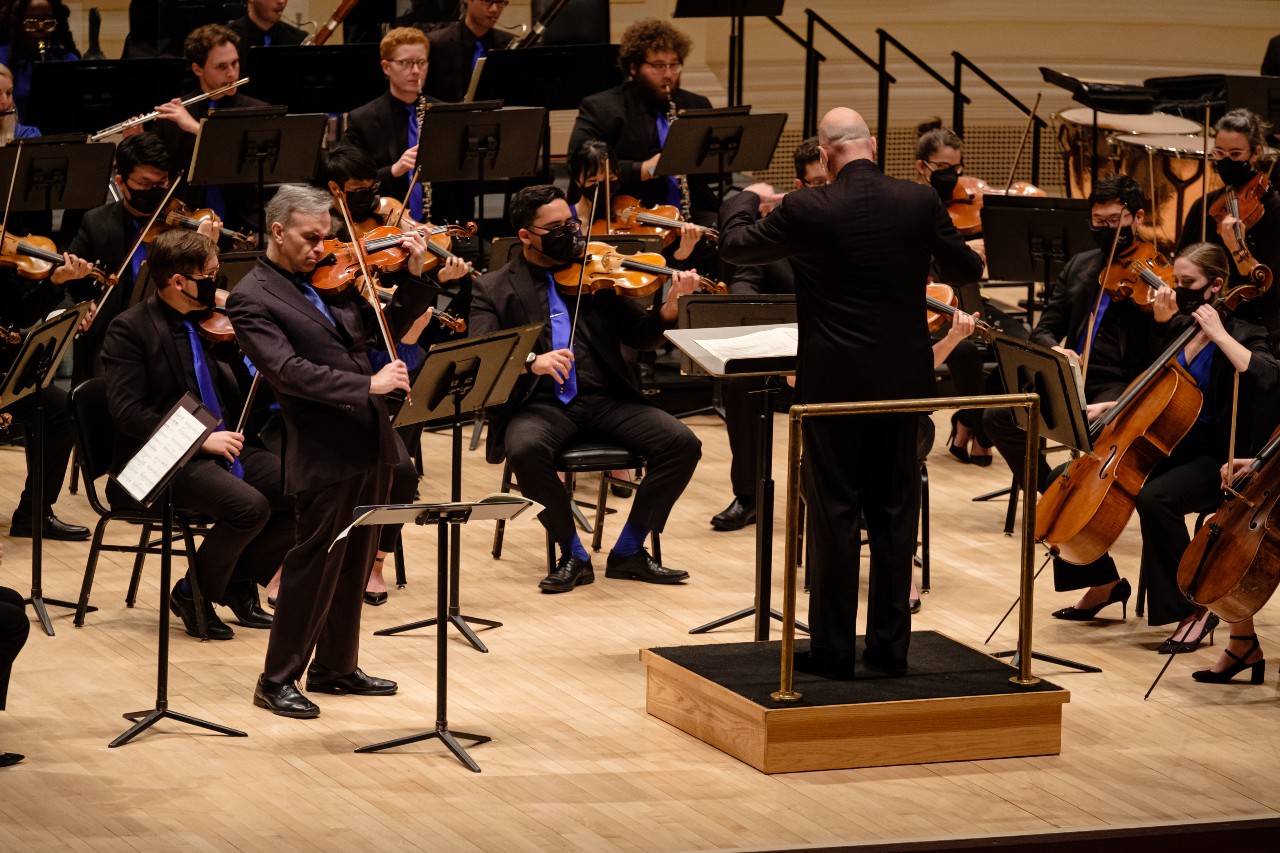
(861, 248)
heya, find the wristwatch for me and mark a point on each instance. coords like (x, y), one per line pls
(530, 359)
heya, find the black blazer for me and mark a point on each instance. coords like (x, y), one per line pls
(250, 36)
(106, 234)
(334, 428)
(381, 129)
(512, 296)
(452, 47)
(619, 117)
(861, 248)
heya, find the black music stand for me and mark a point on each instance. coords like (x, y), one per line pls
(1029, 238)
(554, 78)
(33, 370)
(458, 377)
(148, 477)
(56, 173)
(444, 516)
(1260, 95)
(258, 145)
(718, 142)
(83, 97)
(1031, 368)
(327, 78)
(736, 11)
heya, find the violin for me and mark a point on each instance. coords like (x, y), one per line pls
(1137, 275)
(457, 325)
(35, 257)
(178, 215)
(943, 303)
(606, 268)
(629, 217)
(214, 325)
(339, 269)
(1246, 208)
(391, 212)
(1232, 565)
(1082, 513)
(965, 204)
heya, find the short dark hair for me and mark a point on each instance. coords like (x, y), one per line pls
(806, 153)
(178, 251)
(201, 40)
(649, 34)
(1121, 188)
(142, 149)
(526, 203)
(588, 157)
(347, 163)
(1245, 123)
(934, 136)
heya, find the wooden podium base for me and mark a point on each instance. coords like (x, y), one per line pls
(955, 704)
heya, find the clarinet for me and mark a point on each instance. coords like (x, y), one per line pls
(426, 187)
(682, 180)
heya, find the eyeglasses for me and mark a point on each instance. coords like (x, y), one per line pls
(664, 67)
(1237, 154)
(372, 189)
(814, 182)
(409, 64)
(39, 25)
(1113, 222)
(935, 166)
(501, 4)
(571, 226)
(214, 277)
(145, 185)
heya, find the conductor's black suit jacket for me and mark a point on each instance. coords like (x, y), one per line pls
(861, 248)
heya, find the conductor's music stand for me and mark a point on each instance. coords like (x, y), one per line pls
(444, 515)
(328, 78)
(458, 377)
(33, 370)
(717, 142)
(148, 477)
(258, 145)
(84, 97)
(1029, 238)
(1031, 368)
(736, 11)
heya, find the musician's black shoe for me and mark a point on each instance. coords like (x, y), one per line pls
(641, 567)
(884, 663)
(8, 759)
(184, 607)
(736, 515)
(54, 528)
(321, 679)
(1119, 593)
(243, 600)
(570, 571)
(836, 668)
(284, 699)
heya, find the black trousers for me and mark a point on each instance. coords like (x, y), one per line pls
(544, 425)
(14, 627)
(861, 467)
(968, 379)
(58, 444)
(404, 486)
(742, 424)
(321, 590)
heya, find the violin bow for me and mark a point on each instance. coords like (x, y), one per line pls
(1088, 338)
(248, 402)
(124, 265)
(13, 181)
(1026, 133)
(368, 289)
(404, 202)
(582, 271)
(1204, 180)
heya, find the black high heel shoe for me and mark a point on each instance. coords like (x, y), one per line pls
(961, 453)
(1120, 592)
(1208, 676)
(1171, 645)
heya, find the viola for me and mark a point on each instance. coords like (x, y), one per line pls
(1232, 565)
(1082, 513)
(178, 215)
(604, 268)
(965, 204)
(943, 303)
(1245, 207)
(34, 257)
(339, 269)
(1138, 275)
(628, 216)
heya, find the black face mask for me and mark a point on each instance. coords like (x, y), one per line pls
(206, 292)
(1104, 237)
(1189, 300)
(944, 181)
(563, 243)
(362, 203)
(146, 201)
(1234, 173)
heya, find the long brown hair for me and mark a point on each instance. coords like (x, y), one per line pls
(1210, 259)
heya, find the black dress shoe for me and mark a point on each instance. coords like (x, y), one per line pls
(54, 528)
(914, 604)
(375, 599)
(184, 607)
(1119, 593)
(247, 607)
(824, 666)
(641, 567)
(320, 679)
(8, 759)
(1190, 644)
(735, 516)
(570, 571)
(620, 491)
(884, 662)
(284, 699)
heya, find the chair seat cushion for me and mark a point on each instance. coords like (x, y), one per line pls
(597, 457)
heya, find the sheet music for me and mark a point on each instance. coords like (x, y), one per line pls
(771, 343)
(160, 454)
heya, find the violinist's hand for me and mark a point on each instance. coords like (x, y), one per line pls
(683, 283)
(1165, 305)
(1227, 225)
(211, 228)
(72, 268)
(962, 326)
(89, 316)
(391, 377)
(419, 326)
(416, 244)
(1097, 410)
(1210, 324)
(175, 112)
(647, 167)
(405, 164)
(1230, 473)
(452, 268)
(690, 234)
(555, 364)
(224, 443)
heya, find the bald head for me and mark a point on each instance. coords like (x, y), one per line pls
(845, 137)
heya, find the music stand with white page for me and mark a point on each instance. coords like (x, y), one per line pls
(147, 477)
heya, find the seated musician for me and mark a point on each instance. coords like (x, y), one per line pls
(569, 394)
(261, 26)
(11, 126)
(1189, 479)
(456, 47)
(153, 354)
(40, 33)
(211, 50)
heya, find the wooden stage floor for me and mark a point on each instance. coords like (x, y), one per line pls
(575, 763)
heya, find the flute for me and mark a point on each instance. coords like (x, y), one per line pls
(125, 125)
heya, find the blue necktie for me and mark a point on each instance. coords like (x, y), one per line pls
(477, 53)
(135, 263)
(204, 380)
(561, 329)
(673, 183)
(309, 293)
(415, 195)
(1097, 324)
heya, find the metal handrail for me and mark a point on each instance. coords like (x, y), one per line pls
(882, 112)
(957, 109)
(814, 20)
